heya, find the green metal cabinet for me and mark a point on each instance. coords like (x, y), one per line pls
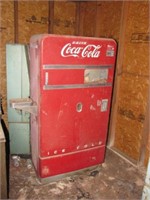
(17, 87)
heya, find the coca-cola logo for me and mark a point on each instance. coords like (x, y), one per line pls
(86, 51)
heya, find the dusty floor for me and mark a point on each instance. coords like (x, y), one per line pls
(114, 179)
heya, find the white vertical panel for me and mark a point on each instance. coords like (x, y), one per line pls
(146, 190)
(17, 87)
(13, 63)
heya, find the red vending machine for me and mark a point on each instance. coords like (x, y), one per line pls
(71, 82)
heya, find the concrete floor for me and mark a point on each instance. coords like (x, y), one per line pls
(114, 179)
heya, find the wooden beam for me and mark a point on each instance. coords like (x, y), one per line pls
(96, 32)
(77, 28)
(51, 17)
(16, 36)
(81, 19)
(113, 117)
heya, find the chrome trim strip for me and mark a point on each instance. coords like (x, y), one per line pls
(77, 66)
(75, 86)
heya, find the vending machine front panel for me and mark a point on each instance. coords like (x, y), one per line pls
(71, 83)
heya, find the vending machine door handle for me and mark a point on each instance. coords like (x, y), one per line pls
(25, 104)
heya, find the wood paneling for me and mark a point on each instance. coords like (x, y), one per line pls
(131, 111)
(136, 54)
(6, 36)
(133, 82)
(64, 18)
(108, 19)
(88, 18)
(33, 18)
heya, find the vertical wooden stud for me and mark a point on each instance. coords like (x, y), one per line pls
(77, 28)
(112, 124)
(51, 17)
(16, 22)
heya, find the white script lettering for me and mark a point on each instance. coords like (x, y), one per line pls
(89, 51)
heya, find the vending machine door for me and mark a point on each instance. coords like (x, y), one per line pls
(73, 78)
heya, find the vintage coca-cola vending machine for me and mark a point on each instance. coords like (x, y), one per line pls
(71, 81)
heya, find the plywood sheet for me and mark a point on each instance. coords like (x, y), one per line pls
(6, 36)
(64, 18)
(134, 92)
(128, 136)
(108, 19)
(132, 104)
(32, 19)
(133, 83)
(136, 54)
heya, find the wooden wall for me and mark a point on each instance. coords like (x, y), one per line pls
(87, 25)
(133, 82)
(64, 18)
(109, 19)
(6, 36)
(32, 18)
(127, 24)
